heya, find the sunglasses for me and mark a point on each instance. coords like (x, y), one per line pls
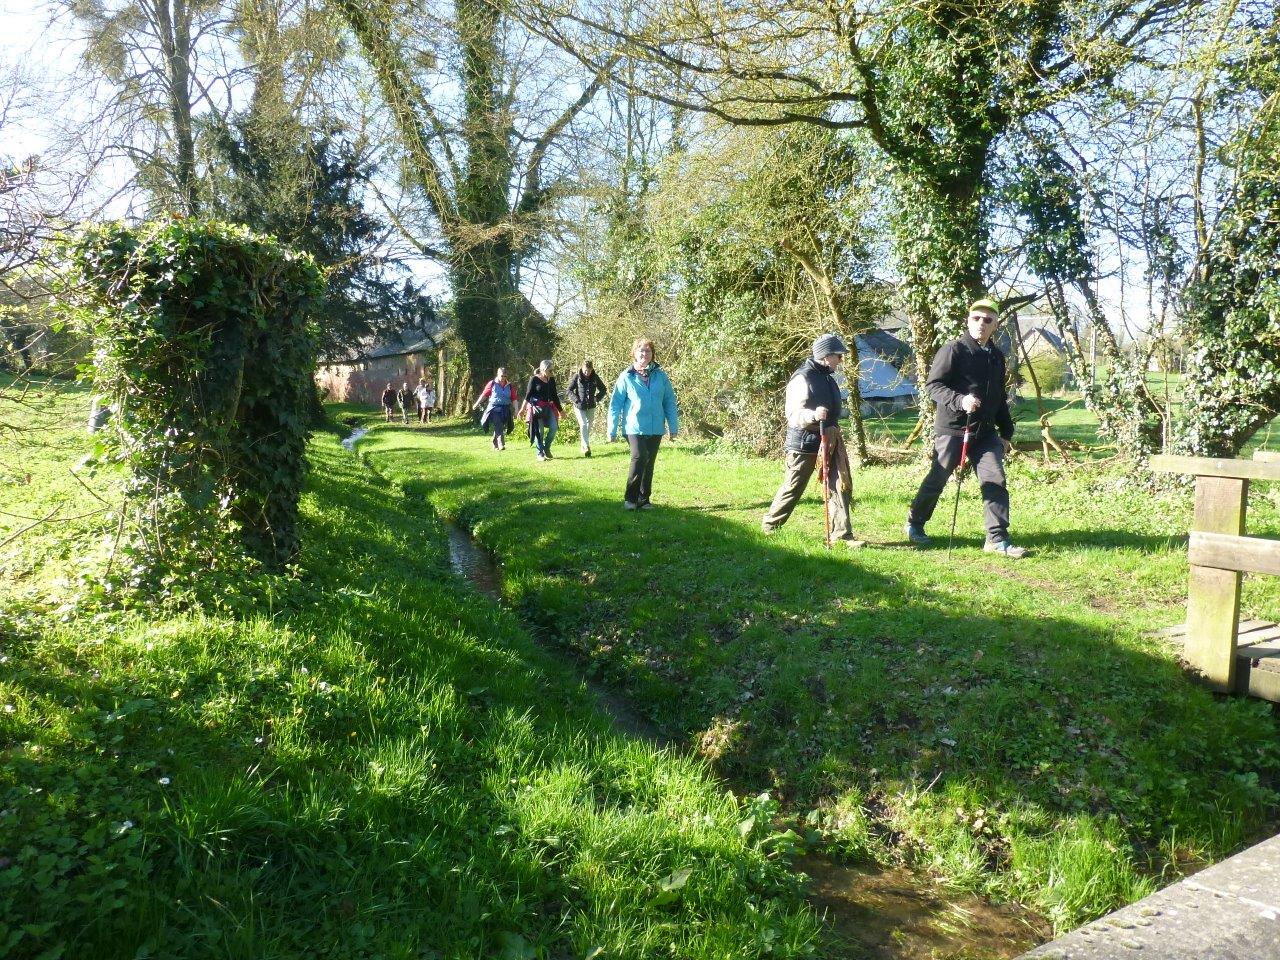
(984, 319)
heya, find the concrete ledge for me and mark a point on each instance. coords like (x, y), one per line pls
(1231, 911)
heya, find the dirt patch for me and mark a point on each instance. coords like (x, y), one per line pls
(877, 913)
(1100, 602)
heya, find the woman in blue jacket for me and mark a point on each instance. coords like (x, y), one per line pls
(643, 405)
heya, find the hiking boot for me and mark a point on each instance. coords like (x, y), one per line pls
(853, 543)
(645, 506)
(1005, 547)
(628, 505)
(916, 535)
(586, 452)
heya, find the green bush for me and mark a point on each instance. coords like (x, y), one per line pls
(202, 348)
(1050, 371)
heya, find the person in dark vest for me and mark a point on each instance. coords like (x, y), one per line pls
(966, 382)
(813, 406)
(389, 401)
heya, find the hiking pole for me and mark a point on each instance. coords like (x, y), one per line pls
(826, 494)
(964, 459)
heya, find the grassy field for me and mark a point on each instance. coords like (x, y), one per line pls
(1011, 727)
(1073, 426)
(365, 760)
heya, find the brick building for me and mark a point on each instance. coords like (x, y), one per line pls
(404, 359)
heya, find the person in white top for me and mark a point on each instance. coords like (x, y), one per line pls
(812, 410)
(426, 395)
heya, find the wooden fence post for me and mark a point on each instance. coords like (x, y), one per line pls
(1213, 595)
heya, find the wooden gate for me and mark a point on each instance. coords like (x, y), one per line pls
(1220, 554)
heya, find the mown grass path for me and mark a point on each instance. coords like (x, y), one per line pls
(364, 760)
(1010, 726)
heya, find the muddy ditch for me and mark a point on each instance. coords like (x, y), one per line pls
(870, 912)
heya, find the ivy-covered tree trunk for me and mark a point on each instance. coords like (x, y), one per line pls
(1233, 322)
(202, 348)
(484, 311)
(486, 209)
(940, 239)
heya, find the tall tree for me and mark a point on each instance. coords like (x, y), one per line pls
(767, 254)
(285, 166)
(935, 85)
(482, 170)
(1233, 302)
(148, 49)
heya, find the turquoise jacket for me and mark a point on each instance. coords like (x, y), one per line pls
(640, 409)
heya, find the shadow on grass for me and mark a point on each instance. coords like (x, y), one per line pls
(993, 735)
(369, 762)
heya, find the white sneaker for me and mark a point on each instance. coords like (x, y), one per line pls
(1005, 547)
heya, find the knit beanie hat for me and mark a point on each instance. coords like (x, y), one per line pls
(828, 343)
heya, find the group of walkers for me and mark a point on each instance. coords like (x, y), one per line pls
(420, 401)
(642, 408)
(966, 382)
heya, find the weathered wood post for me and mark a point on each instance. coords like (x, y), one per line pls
(1219, 554)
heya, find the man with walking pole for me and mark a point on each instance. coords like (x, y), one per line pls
(814, 441)
(966, 382)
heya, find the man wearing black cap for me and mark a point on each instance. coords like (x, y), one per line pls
(813, 405)
(966, 382)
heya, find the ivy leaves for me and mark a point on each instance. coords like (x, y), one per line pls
(202, 349)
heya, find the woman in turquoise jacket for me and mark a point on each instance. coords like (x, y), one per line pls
(643, 406)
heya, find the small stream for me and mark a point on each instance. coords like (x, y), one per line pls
(473, 563)
(350, 442)
(871, 912)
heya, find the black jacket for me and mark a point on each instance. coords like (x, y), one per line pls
(586, 392)
(960, 368)
(543, 393)
(823, 391)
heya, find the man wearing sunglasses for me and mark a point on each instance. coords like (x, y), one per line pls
(966, 382)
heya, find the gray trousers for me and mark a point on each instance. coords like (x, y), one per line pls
(986, 453)
(799, 468)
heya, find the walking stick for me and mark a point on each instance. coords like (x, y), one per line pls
(826, 493)
(964, 459)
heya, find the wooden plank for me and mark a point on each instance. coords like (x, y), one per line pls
(1268, 650)
(1244, 633)
(1267, 456)
(1263, 637)
(1213, 594)
(1248, 626)
(1223, 551)
(1265, 469)
(1259, 676)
